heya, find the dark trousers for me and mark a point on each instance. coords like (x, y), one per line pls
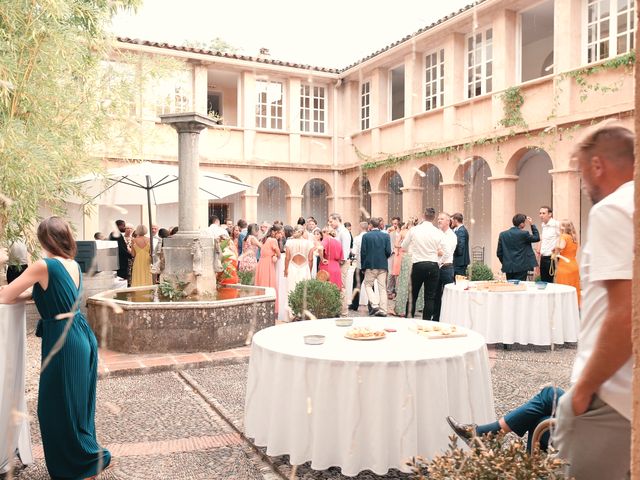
(545, 265)
(14, 271)
(460, 271)
(518, 275)
(526, 417)
(358, 284)
(427, 274)
(446, 276)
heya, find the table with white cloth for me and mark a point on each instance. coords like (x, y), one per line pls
(532, 316)
(362, 404)
(14, 424)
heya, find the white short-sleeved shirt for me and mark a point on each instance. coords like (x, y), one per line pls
(607, 255)
(450, 244)
(424, 241)
(549, 236)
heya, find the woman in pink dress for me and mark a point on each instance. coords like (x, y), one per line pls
(332, 256)
(269, 256)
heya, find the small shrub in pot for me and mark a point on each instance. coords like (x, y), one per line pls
(321, 299)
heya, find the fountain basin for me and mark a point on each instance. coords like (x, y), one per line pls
(135, 320)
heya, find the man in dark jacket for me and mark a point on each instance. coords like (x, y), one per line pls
(514, 248)
(374, 254)
(461, 258)
(123, 251)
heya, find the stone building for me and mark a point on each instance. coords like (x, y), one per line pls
(475, 113)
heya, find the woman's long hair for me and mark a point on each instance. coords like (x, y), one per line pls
(566, 226)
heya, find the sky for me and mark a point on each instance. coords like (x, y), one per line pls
(329, 33)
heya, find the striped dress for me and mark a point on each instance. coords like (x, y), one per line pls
(67, 390)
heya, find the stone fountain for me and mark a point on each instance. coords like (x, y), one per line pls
(137, 320)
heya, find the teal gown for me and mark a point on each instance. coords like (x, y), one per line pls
(67, 391)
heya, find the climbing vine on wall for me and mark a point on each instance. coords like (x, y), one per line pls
(512, 101)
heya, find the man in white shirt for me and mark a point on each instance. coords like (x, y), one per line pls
(445, 261)
(593, 421)
(344, 237)
(425, 242)
(358, 276)
(215, 229)
(550, 232)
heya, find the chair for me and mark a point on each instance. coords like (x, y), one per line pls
(477, 254)
(540, 430)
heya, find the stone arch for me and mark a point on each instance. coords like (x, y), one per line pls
(534, 186)
(315, 202)
(272, 193)
(392, 183)
(361, 187)
(429, 178)
(475, 173)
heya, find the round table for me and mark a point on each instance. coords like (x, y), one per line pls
(362, 404)
(14, 428)
(533, 316)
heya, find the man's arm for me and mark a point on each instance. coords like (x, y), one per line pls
(612, 348)
(387, 246)
(407, 240)
(499, 250)
(534, 236)
(460, 242)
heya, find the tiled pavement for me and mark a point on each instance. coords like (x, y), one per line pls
(180, 416)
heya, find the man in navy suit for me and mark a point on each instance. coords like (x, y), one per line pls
(461, 258)
(514, 248)
(374, 254)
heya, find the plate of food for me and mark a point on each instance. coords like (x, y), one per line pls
(364, 333)
(439, 331)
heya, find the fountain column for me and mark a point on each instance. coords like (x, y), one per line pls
(190, 254)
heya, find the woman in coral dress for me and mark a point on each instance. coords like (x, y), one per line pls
(141, 270)
(269, 256)
(568, 273)
(332, 256)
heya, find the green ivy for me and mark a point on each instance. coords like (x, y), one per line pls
(512, 101)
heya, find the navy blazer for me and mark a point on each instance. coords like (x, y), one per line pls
(514, 249)
(375, 250)
(461, 256)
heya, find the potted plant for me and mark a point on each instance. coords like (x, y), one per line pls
(318, 298)
(480, 271)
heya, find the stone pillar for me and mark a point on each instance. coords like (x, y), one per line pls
(250, 207)
(503, 208)
(379, 204)
(453, 197)
(351, 208)
(189, 256)
(566, 194)
(412, 202)
(294, 207)
(635, 287)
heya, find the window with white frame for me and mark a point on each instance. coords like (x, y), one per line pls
(173, 95)
(434, 80)
(610, 26)
(480, 63)
(365, 102)
(269, 106)
(312, 108)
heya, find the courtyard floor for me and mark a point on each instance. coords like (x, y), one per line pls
(180, 417)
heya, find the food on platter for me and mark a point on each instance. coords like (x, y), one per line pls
(364, 333)
(440, 331)
(499, 286)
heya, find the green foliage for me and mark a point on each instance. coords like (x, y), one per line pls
(321, 299)
(246, 277)
(215, 45)
(480, 271)
(172, 290)
(491, 457)
(512, 101)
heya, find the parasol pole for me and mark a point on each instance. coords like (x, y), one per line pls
(150, 223)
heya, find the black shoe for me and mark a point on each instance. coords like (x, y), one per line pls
(466, 431)
(380, 313)
(351, 307)
(373, 312)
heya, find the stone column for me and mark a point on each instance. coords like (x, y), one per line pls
(379, 204)
(412, 202)
(189, 255)
(566, 194)
(294, 207)
(453, 197)
(250, 207)
(503, 208)
(351, 208)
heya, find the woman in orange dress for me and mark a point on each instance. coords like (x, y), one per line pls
(269, 256)
(568, 273)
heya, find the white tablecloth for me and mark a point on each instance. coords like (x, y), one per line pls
(14, 425)
(534, 316)
(362, 404)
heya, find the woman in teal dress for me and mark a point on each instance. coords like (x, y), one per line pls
(68, 377)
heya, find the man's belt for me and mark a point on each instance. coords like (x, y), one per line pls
(446, 265)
